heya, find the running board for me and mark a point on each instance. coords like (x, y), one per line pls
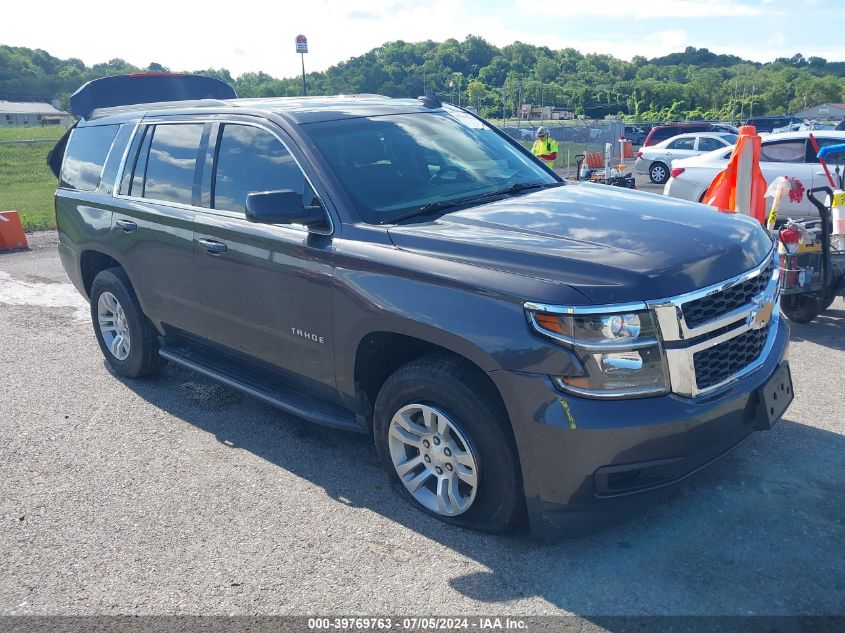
(252, 381)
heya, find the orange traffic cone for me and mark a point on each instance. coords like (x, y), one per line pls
(11, 231)
(741, 187)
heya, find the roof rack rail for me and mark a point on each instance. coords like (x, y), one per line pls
(160, 105)
(127, 90)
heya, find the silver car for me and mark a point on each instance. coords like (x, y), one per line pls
(656, 160)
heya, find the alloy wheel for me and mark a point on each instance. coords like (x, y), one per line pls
(433, 459)
(113, 325)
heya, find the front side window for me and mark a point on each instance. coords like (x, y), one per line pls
(85, 156)
(251, 159)
(812, 156)
(783, 152)
(393, 165)
(167, 169)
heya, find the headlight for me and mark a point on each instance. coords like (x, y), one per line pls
(619, 351)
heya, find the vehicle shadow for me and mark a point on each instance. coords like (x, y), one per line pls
(827, 329)
(760, 532)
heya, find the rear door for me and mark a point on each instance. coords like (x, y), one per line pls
(266, 290)
(153, 223)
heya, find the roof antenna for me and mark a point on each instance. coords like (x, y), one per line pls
(430, 99)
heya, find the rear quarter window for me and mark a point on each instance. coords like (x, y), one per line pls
(85, 157)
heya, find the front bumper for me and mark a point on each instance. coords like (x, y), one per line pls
(585, 462)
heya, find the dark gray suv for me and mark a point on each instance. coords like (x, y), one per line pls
(401, 268)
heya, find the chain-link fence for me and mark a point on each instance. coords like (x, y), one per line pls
(574, 137)
(26, 182)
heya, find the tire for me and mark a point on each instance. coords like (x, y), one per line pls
(139, 356)
(800, 308)
(828, 297)
(658, 173)
(469, 406)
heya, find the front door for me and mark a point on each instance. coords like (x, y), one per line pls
(266, 290)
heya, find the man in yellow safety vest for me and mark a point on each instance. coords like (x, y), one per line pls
(545, 147)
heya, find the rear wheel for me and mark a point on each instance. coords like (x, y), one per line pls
(800, 308)
(445, 442)
(126, 337)
(658, 173)
(828, 298)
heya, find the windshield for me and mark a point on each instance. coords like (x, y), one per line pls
(730, 138)
(397, 164)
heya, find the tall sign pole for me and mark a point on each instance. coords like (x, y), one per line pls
(302, 48)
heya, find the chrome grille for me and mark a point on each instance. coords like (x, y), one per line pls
(711, 307)
(718, 334)
(718, 363)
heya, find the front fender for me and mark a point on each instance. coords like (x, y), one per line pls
(453, 305)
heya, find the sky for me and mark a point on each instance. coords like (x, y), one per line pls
(260, 35)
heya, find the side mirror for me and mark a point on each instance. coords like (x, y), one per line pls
(284, 207)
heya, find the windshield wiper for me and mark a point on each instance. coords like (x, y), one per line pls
(520, 186)
(431, 207)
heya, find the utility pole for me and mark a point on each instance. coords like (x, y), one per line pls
(751, 107)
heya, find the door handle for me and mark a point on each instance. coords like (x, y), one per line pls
(127, 225)
(213, 246)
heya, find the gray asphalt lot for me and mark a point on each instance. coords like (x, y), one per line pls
(176, 495)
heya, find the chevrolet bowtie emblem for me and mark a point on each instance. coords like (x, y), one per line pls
(759, 318)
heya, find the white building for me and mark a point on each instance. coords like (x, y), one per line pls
(16, 113)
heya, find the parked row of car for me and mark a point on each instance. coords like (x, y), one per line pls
(785, 154)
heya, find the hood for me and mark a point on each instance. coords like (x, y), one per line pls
(611, 244)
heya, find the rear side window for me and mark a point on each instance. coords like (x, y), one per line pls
(166, 164)
(251, 159)
(783, 152)
(708, 144)
(683, 143)
(85, 156)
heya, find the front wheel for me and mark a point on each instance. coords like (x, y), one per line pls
(658, 173)
(445, 442)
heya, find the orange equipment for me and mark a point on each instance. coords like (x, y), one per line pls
(11, 231)
(741, 185)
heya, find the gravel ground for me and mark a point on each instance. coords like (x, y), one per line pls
(176, 495)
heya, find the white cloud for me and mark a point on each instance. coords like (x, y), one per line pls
(645, 9)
